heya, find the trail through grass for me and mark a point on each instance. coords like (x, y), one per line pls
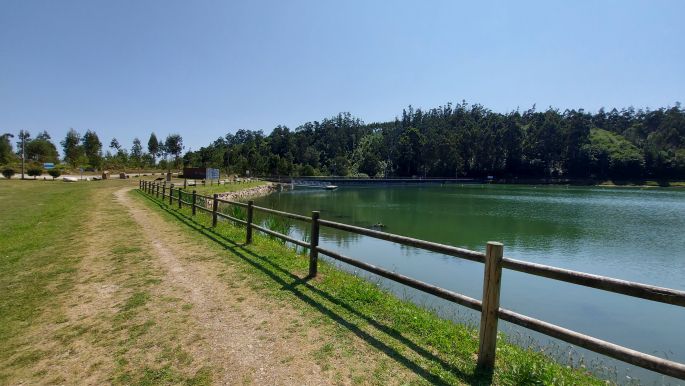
(435, 350)
(100, 286)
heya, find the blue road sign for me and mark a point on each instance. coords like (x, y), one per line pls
(48, 165)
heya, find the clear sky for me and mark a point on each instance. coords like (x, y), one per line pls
(205, 68)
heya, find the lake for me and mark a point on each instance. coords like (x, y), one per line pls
(627, 233)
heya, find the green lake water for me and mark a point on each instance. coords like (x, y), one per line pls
(626, 233)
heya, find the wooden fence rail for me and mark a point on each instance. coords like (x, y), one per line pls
(493, 260)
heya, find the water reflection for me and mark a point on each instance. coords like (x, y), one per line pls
(631, 234)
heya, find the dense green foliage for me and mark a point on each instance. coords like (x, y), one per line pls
(54, 173)
(85, 151)
(92, 147)
(8, 172)
(465, 140)
(41, 149)
(448, 141)
(73, 152)
(153, 147)
(34, 172)
(613, 155)
(6, 155)
(173, 146)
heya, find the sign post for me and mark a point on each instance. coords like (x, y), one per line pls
(212, 174)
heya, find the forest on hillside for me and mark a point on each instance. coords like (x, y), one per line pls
(448, 141)
(464, 140)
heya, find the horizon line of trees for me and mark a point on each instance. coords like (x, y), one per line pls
(86, 151)
(464, 141)
(459, 140)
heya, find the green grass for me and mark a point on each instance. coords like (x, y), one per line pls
(44, 233)
(39, 221)
(437, 350)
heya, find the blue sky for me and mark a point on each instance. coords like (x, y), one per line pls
(126, 68)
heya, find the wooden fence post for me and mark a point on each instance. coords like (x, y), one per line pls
(250, 213)
(215, 206)
(194, 199)
(171, 194)
(313, 244)
(140, 184)
(492, 281)
(157, 188)
(163, 191)
(180, 198)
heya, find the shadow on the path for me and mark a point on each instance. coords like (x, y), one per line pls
(293, 284)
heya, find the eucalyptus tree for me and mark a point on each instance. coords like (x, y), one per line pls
(92, 148)
(71, 148)
(153, 147)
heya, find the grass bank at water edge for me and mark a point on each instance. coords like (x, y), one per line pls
(439, 351)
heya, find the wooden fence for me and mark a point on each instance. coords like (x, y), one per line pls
(493, 260)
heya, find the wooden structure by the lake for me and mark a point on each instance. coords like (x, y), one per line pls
(493, 260)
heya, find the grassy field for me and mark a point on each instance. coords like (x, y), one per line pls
(91, 296)
(437, 350)
(77, 283)
(38, 221)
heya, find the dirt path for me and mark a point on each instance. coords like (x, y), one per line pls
(148, 302)
(243, 333)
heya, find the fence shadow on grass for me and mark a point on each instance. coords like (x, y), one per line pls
(292, 283)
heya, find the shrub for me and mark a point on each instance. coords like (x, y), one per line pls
(54, 173)
(308, 170)
(8, 173)
(34, 172)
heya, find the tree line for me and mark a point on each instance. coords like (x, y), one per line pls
(464, 140)
(459, 140)
(86, 151)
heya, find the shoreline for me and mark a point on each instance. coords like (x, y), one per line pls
(258, 191)
(338, 289)
(351, 181)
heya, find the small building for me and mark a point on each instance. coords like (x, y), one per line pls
(201, 173)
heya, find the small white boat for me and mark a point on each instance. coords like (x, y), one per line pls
(331, 187)
(70, 179)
